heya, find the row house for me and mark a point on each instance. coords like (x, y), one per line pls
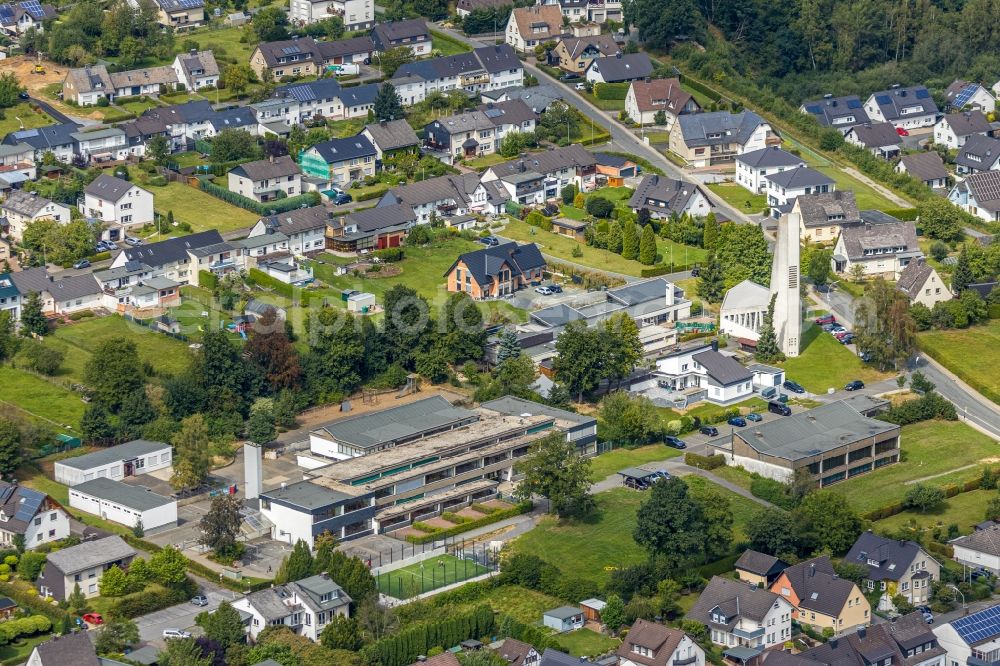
(193, 121)
(101, 145)
(304, 229)
(56, 139)
(485, 68)
(17, 164)
(59, 295)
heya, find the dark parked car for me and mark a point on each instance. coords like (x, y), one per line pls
(556, 289)
(711, 431)
(829, 327)
(490, 241)
(754, 417)
(83, 263)
(675, 442)
(569, 76)
(23, 95)
(737, 421)
(847, 339)
(696, 271)
(826, 319)
(778, 408)
(342, 198)
(856, 385)
(794, 387)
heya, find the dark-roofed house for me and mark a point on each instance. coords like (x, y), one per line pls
(784, 186)
(905, 641)
(510, 116)
(444, 195)
(707, 139)
(927, 167)
(981, 549)
(306, 605)
(882, 249)
(305, 228)
(289, 57)
(16, 18)
(663, 196)
(168, 258)
(620, 68)
(744, 620)
(87, 85)
(372, 229)
(980, 153)
(22, 207)
(888, 561)
(392, 137)
(83, 564)
(954, 129)
(57, 139)
(181, 15)
(652, 644)
(754, 167)
(841, 113)
(557, 168)
(340, 162)
(118, 203)
(832, 442)
(822, 598)
(264, 180)
(922, 284)
(822, 215)
(411, 33)
(518, 653)
(564, 618)
(124, 503)
(196, 69)
(59, 296)
(878, 138)
(552, 657)
(722, 379)
(31, 515)
(461, 136)
(574, 54)
(907, 107)
(646, 99)
(979, 194)
(496, 271)
(75, 648)
(964, 95)
(758, 568)
(615, 169)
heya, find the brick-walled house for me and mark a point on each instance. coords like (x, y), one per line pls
(496, 271)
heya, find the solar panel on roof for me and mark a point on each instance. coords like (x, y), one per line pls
(883, 99)
(28, 506)
(980, 626)
(814, 108)
(964, 95)
(854, 104)
(288, 50)
(6, 13)
(922, 94)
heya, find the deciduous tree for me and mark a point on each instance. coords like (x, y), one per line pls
(114, 372)
(883, 326)
(772, 531)
(554, 470)
(191, 460)
(220, 526)
(670, 525)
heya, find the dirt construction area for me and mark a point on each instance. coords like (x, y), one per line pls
(24, 68)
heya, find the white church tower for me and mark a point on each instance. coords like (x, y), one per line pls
(785, 283)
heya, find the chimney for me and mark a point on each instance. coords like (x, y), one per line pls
(812, 570)
(194, 51)
(862, 633)
(832, 643)
(618, 55)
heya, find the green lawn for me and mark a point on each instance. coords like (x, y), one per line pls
(47, 401)
(138, 108)
(447, 45)
(825, 363)
(703, 100)
(199, 209)
(866, 196)
(23, 114)
(179, 98)
(587, 643)
(743, 508)
(225, 43)
(739, 197)
(562, 247)
(347, 127)
(608, 104)
(964, 510)
(518, 602)
(484, 162)
(19, 651)
(929, 448)
(606, 464)
(657, 137)
(966, 353)
(573, 213)
(736, 475)
(427, 575)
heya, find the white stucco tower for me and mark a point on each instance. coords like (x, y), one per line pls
(785, 284)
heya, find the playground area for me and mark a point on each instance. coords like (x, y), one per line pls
(431, 574)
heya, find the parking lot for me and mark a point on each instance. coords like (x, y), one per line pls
(181, 617)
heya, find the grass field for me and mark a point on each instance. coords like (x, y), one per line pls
(518, 602)
(739, 197)
(225, 43)
(428, 575)
(964, 352)
(587, 643)
(964, 510)
(825, 363)
(611, 462)
(202, 211)
(743, 508)
(15, 116)
(866, 196)
(447, 45)
(929, 449)
(40, 399)
(347, 127)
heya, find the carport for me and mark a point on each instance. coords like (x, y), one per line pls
(641, 479)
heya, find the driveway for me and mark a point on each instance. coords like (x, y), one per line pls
(180, 616)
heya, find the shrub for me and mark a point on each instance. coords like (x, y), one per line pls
(435, 533)
(599, 207)
(389, 255)
(279, 206)
(705, 462)
(81, 314)
(208, 279)
(775, 492)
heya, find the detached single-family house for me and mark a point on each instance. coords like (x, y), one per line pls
(981, 549)
(392, 137)
(264, 180)
(30, 515)
(528, 27)
(515, 652)
(970, 639)
(821, 598)
(339, 162)
(759, 569)
(356, 14)
(653, 644)
(878, 138)
(663, 196)
(620, 68)
(646, 99)
(75, 648)
(556, 168)
(16, 18)
(564, 618)
(963, 95)
(979, 194)
(59, 296)
(304, 228)
(955, 128)
(980, 153)
(461, 136)
(305, 605)
(821, 216)
(904, 108)
(411, 33)
(83, 564)
(744, 620)
(492, 272)
(509, 117)
(721, 378)
(22, 207)
(117, 203)
(894, 567)
(287, 57)
(840, 113)
(574, 54)
(881, 249)
(927, 167)
(922, 284)
(708, 139)
(784, 186)
(753, 168)
(196, 69)
(140, 456)
(181, 15)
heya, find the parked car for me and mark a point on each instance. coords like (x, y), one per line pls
(754, 416)
(840, 334)
(490, 241)
(794, 387)
(829, 327)
(93, 618)
(779, 409)
(106, 246)
(175, 633)
(837, 328)
(856, 385)
(847, 339)
(675, 442)
(23, 95)
(133, 241)
(928, 617)
(569, 76)
(581, 86)
(737, 421)
(543, 290)
(83, 263)
(199, 600)
(902, 131)
(695, 270)
(826, 319)
(556, 289)
(711, 431)
(342, 198)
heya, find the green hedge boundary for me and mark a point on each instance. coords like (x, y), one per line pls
(208, 279)
(664, 269)
(647, 166)
(281, 288)
(705, 462)
(496, 516)
(262, 209)
(950, 490)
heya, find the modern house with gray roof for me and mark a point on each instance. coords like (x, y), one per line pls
(497, 271)
(22, 207)
(306, 605)
(979, 194)
(979, 154)
(83, 564)
(903, 107)
(304, 228)
(841, 113)
(118, 204)
(878, 138)
(758, 568)
(927, 167)
(784, 186)
(339, 162)
(140, 456)
(754, 167)
(699, 372)
(881, 249)
(619, 68)
(832, 442)
(75, 648)
(31, 515)
(124, 503)
(264, 180)
(663, 197)
(708, 139)
(904, 563)
(954, 129)
(743, 620)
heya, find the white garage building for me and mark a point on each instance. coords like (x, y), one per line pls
(123, 503)
(139, 456)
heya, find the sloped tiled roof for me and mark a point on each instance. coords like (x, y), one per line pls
(964, 123)
(892, 102)
(894, 557)
(660, 640)
(985, 187)
(799, 177)
(623, 67)
(392, 134)
(925, 166)
(486, 263)
(603, 44)
(548, 15)
(724, 369)
(756, 562)
(660, 94)
(697, 128)
(913, 277)
(726, 594)
(820, 209)
(278, 167)
(675, 194)
(876, 135)
(818, 586)
(769, 157)
(859, 237)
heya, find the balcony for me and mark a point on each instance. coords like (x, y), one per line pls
(742, 633)
(684, 662)
(983, 660)
(222, 264)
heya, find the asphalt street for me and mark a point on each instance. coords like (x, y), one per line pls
(180, 616)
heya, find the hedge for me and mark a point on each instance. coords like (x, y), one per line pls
(197, 568)
(377, 193)
(611, 90)
(278, 205)
(23, 626)
(282, 288)
(698, 86)
(208, 279)
(664, 269)
(496, 516)
(994, 311)
(149, 601)
(705, 462)
(403, 647)
(33, 602)
(904, 214)
(595, 139)
(941, 549)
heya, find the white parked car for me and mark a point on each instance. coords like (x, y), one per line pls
(175, 633)
(544, 291)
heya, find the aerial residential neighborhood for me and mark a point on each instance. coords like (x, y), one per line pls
(499, 333)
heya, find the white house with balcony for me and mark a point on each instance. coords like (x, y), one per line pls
(118, 204)
(306, 606)
(264, 180)
(744, 620)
